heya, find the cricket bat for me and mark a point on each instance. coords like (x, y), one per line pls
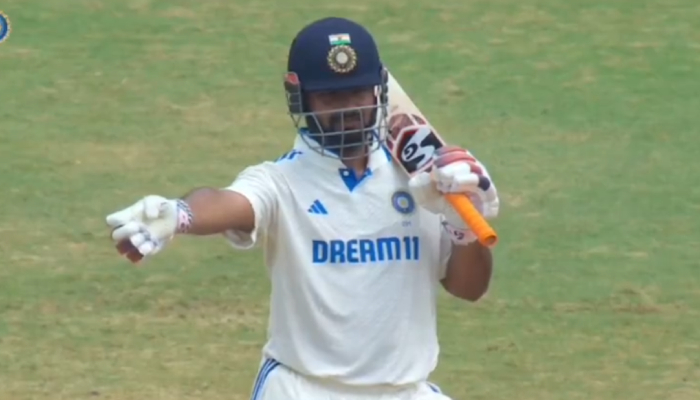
(412, 141)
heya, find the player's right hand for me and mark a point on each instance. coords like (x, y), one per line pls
(145, 227)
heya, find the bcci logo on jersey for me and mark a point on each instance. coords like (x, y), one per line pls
(403, 202)
(363, 251)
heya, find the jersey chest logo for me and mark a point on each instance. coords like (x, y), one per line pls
(366, 251)
(403, 202)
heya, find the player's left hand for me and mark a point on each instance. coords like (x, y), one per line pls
(456, 171)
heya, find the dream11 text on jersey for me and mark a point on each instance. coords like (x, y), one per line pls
(357, 251)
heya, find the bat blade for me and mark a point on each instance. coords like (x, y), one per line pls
(412, 142)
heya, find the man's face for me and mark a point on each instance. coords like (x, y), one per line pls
(324, 104)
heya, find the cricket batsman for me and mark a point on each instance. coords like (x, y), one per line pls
(355, 250)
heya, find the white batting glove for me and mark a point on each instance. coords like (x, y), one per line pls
(145, 227)
(456, 171)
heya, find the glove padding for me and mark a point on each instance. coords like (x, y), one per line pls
(455, 170)
(145, 227)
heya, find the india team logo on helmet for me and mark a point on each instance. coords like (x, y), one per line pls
(4, 27)
(342, 59)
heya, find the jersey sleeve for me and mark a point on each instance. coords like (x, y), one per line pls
(258, 186)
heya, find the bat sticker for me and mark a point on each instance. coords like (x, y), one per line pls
(412, 141)
(416, 147)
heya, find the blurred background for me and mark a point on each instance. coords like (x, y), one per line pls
(585, 112)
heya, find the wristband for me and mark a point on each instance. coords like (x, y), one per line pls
(184, 216)
(460, 237)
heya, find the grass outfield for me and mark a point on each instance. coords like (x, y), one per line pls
(584, 111)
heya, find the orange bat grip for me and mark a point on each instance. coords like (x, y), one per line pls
(478, 224)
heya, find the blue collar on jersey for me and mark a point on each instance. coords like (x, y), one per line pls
(376, 159)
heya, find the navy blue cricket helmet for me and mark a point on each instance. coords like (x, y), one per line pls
(337, 55)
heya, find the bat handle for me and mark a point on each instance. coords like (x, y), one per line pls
(476, 222)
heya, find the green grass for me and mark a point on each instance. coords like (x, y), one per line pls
(584, 111)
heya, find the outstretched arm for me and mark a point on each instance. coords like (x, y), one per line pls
(242, 211)
(215, 211)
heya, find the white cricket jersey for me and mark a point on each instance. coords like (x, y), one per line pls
(354, 264)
